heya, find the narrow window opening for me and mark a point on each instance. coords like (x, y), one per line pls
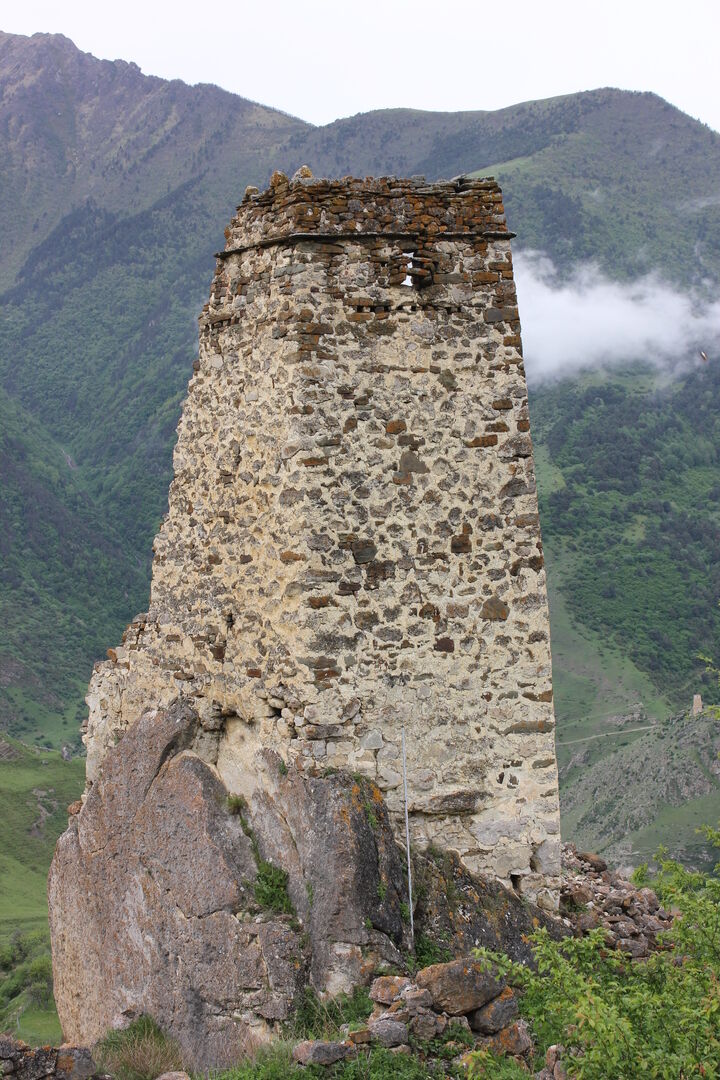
(409, 256)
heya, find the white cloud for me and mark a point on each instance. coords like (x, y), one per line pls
(587, 320)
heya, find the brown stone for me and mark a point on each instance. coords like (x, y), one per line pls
(426, 1024)
(594, 860)
(319, 1052)
(482, 440)
(513, 1040)
(460, 986)
(387, 988)
(496, 1014)
(495, 610)
(291, 556)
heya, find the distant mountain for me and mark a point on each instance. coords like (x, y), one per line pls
(114, 191)
(622, 178)
(73, 129)
(656, 787)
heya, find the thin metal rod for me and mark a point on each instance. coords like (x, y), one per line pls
(407, 842)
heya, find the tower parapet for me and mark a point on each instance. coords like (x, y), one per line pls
(352, 543)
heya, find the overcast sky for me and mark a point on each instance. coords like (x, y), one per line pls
(321, 59)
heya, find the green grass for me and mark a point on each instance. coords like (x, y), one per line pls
(322, 1018)
(35, 790)
(275, 1063)
(592, 680)
(140, 1051)
(270, 887)
(27, 1009)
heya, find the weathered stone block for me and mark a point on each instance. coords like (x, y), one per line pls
(460, 986)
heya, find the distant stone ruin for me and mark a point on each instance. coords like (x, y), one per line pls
(352, 542)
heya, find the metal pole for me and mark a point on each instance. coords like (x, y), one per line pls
(407, 842)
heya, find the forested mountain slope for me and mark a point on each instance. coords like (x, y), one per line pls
(114, 191)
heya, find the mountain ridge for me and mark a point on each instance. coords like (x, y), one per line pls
(100, 293)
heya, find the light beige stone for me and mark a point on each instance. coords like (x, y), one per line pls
(352, 542)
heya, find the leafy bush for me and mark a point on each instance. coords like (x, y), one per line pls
(25, 975)
(381, 1064)
(430, 951)
(271, 888)
(658, 1019)
(141, 1051)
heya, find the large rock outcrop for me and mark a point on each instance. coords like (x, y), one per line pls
(153, 892)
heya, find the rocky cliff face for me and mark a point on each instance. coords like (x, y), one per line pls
(169, 898)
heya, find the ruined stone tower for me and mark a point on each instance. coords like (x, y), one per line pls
(352, 542)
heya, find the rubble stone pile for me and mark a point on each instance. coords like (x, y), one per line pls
(594, 896)
(462, 1002)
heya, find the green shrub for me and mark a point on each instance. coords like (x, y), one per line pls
(275, 1063)
(236, 804)
(488, 1066)
(268, 1063)
(271, 888)
(141, 1051)
(381, 1064)
(430, 950)
(25, 975)
(658, 1019)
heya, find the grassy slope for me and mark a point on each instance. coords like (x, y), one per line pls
(64, 579)
(632, 514)
(654, 788)
(35, 790)
(626, 536)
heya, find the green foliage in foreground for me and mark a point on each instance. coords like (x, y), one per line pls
(26, 982)
(658, 1019)
(275, 1063)
(322, 1019)
(271, 888)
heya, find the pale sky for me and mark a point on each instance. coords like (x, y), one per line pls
(322, 59)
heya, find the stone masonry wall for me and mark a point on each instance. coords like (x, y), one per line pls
(352, 543)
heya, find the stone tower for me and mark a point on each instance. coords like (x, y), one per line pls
(352, 543)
